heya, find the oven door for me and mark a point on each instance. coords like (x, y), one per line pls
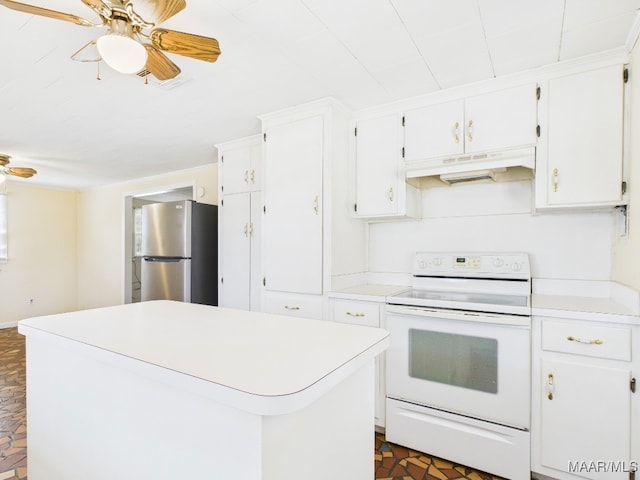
(468, 363)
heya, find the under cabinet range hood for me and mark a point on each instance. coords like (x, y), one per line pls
(471, 167)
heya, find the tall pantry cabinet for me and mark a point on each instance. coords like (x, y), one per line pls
(240, 185)
(310, 243)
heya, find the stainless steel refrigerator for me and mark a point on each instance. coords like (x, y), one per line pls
(180, 252)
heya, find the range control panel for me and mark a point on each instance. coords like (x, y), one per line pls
(482, 265)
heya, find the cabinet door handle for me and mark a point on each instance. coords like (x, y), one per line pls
(253, 177)
(456, 132)
(470, 130)
(555, 179)
(288, 307)
(357, 314)
(251, 229)
(596, 341)
(246, 229)
(550, 386)
(390, 194)
(246, 177)
(316, 204)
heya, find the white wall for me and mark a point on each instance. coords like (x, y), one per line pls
(101, 275)
(497, 217)
(42, 241)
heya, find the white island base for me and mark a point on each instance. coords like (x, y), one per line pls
(164, 390)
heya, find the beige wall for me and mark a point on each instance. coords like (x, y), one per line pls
(101, 272)
(626, 264)
(42, 242)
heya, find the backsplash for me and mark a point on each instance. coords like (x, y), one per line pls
(498, 217)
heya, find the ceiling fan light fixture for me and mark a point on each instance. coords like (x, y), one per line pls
(122, 53)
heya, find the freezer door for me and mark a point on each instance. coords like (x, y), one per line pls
(166, 279)
(166, 229)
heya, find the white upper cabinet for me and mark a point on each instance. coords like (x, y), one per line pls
(293, 200)
(580, 159)
(311, 242)
(380, 186)
(241, 167)
(434, 131)
(499, 120)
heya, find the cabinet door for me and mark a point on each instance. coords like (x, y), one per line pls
(235, 248)
(500, 120)
(378, 158)
(255, 233)
(585, 138)
(434, 131)
(586, 418)
(240, 168)
(292, 227)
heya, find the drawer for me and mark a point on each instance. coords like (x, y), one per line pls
(296, 305)
(356, 313)
(600, 341)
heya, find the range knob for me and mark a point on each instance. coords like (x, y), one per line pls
(498, 262)
(437, 261)
(422, 264)
(516, 267)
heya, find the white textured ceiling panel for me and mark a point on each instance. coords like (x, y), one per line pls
(79, 131)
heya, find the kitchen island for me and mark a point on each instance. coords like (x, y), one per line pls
(167, 390)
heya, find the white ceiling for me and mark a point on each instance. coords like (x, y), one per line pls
(80, 132)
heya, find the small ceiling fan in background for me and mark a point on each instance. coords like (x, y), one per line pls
(22, 172)
(132, 42)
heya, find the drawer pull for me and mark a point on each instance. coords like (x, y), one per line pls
(291, 308)
(597, 341)
(351, 314)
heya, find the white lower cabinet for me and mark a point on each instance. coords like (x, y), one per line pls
(293, 304)
(240, 279)
(370, 314)
(583, 400)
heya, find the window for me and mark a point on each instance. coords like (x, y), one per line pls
(3, 227)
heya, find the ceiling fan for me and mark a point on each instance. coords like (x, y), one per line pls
(22, 172)
(132, 42)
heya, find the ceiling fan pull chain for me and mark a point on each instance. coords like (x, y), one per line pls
(98, 76)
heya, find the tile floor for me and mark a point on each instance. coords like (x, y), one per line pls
(392, 462)
(13, 425)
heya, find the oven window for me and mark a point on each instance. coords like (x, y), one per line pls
(460, 360)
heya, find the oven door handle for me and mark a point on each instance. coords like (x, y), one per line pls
(465, 316)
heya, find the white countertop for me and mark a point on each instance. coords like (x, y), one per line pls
(247, 354)
(585, 300)
(368, 292)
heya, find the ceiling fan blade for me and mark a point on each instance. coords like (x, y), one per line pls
(88, 53)
(4, 159)
(99, 6)
(21, 172)
(159, 64)
(45, 12)
(158, 11)
(187, 44)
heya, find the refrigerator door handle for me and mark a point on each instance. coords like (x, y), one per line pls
(163, 259)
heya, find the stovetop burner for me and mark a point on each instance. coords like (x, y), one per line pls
(488, 282)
